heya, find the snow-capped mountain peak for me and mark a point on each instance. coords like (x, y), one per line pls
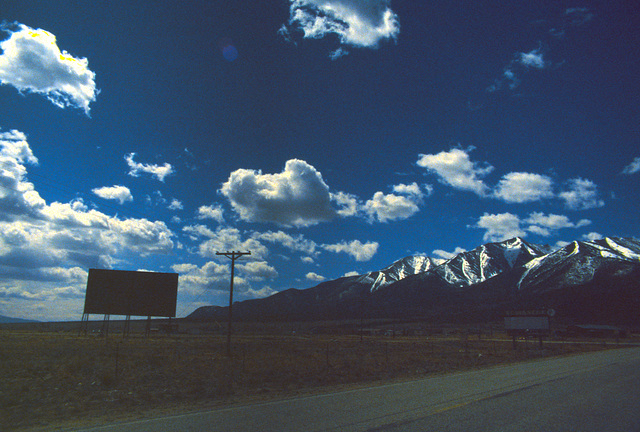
(487, 261)
(400, 269)
(578, 262)
(580, 279)
(618, 246)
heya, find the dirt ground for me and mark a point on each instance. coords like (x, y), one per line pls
(59, 379)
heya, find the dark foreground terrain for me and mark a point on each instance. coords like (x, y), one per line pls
(589, 392)
(55, 378)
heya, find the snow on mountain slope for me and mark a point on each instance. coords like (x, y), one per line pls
(421, 285)
(487, 261)
(577, 262)
(400, 269)
(627, 248)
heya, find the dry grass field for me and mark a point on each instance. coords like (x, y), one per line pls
(52, 380)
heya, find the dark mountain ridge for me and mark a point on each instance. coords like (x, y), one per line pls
(595, 281)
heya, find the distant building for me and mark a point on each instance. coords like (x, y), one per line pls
(596, 331)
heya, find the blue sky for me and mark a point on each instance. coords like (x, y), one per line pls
(328, 137)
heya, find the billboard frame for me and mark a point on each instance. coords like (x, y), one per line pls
(129, 293)
(534, 323)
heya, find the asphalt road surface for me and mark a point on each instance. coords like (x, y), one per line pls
(597, 392)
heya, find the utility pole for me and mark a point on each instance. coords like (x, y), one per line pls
(233, 256)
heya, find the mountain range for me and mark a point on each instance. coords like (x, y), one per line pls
(9, 320)
(584, 281)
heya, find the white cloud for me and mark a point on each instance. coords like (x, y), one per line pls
(298, 196)
(307, 260)
(175, 205)
(356, 23)
(519, 187)
(211, 276)
(18, 197)
(633, 167)
(351, 273)
(545, 225)
(358, 250)
(32, 61)
(157, 171)
(295, 243)
(198, 231)
(143, 236)
(261, 293)
(582, 194)
(578, 16)
(456, 169)
(340, 52)
(592, 236)
(560, 244)
(70, 235)
(348, 204)
(121, 194)
(214, 212)
(43, 245)
(225, 239)
(508, 78)
(521, 64)
(48, 294)
(412, 190)
(532, 59)
(63, 231)
(506, 225)
(257, 270)
(390, 207)
(448, 255)
(500, 227)
(314, 277)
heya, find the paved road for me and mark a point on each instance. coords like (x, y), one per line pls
(592, 392)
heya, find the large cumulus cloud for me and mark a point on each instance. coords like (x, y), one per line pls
(296, 197)
(42, 236)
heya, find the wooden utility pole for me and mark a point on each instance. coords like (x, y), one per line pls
(233, 255)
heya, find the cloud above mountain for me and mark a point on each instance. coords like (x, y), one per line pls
(402, 204)
(356, 249)
(519, 187)
(296, 197)
(455, 168)
(503, 226)
(581, 194)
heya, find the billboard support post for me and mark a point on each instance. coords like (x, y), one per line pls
(147, 330)
(233, 256)
(127, 326)
(84, 324)
(105, 326)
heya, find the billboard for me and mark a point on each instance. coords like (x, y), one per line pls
(534, 321)
(121, 292)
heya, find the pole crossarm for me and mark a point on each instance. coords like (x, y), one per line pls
(233, 256)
